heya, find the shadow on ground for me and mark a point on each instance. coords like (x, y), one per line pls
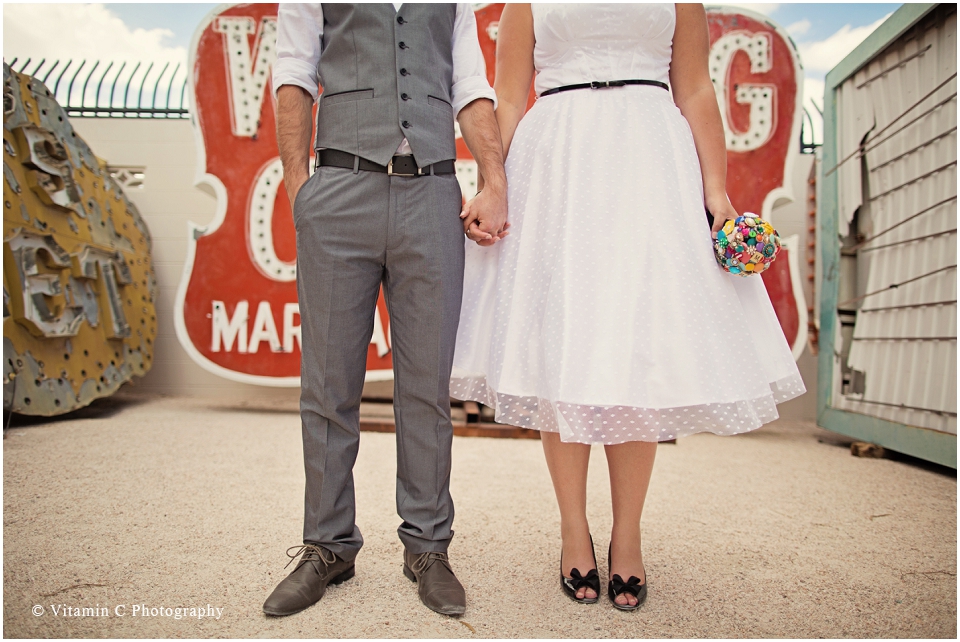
(102, 408)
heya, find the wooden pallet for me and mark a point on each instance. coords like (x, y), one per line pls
(460, 429)
(376, 415)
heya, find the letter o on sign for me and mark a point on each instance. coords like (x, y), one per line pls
(260, 225)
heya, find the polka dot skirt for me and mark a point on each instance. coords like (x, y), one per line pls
(604, 316)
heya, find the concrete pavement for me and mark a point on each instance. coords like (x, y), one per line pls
(158, 503)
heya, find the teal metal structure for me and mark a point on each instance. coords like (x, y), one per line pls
(931, 445)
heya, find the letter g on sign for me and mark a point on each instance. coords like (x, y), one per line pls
(759, 97)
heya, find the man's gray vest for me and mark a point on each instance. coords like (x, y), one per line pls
(387, 75)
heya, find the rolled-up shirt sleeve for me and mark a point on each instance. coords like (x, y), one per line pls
(299, 27)
(469, 69)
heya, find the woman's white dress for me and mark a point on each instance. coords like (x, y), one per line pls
(603, 315)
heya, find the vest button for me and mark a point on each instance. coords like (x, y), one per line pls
(404, 97)
(400, 20)
(404, 72)
(406, 124)
(403, 45)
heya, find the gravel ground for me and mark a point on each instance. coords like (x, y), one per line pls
(175, 502)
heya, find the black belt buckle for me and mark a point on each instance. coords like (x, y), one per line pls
(606, 83)
(403, 166)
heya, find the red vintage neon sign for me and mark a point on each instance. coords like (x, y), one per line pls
(236, 311)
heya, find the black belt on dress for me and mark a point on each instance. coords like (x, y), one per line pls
(398, 165)
(604, 85)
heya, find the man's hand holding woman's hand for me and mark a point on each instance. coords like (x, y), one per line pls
(485, 216)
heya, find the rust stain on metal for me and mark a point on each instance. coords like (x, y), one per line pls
(79, 318)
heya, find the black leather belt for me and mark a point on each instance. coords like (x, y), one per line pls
(398, 165)
(604, 85)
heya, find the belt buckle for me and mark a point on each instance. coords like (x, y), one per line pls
(606, 84)
(390, 171)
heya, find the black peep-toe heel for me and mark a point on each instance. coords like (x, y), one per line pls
(571, 585)
(618, 587)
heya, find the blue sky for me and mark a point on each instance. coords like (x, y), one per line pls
(823, 32)
(826, 18)
(180, 19)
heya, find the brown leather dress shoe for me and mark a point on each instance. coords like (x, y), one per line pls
(307, 583)
(438, 587)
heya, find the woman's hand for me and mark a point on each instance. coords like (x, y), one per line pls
(485, 215)
(485, 218)
(721, 209)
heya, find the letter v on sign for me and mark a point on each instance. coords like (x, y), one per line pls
(248, 73)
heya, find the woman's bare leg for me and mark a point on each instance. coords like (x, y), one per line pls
(630, 467)
(568, 470)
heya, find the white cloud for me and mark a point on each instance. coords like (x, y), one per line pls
(799, 28)
(820, 57)
(80, 31)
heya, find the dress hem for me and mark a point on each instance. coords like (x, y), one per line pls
(611, 425)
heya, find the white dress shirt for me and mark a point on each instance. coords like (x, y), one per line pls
(300, 26)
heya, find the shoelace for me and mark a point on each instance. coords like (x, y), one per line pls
(423, 562)
(311, 553)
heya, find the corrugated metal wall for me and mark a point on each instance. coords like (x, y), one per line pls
(897, 202)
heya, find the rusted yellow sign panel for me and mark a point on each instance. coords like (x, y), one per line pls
(78, 281)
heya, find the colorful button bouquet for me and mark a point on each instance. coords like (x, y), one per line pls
(746, 245)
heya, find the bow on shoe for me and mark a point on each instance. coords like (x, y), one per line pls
(631, 586)
(311, 553)
(576, 581)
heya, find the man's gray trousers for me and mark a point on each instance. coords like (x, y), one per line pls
(356, 231)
